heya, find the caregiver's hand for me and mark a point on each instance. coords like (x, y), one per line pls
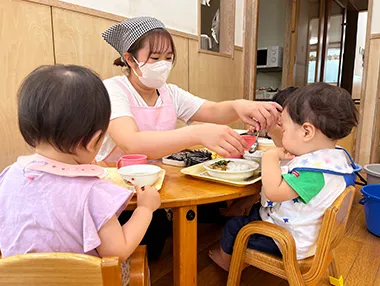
(220, 139)
(266, 113)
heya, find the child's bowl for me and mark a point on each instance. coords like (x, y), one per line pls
(266, 144)
(140, 175)
(256, 156)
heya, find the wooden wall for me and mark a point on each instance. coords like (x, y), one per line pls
(26, 43)
(368, 143)
(37, 32)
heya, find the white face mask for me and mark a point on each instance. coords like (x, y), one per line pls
(154, 75)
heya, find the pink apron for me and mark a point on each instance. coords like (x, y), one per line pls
(148, 118)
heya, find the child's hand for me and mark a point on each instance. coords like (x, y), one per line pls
(148, 197)
(280, 153)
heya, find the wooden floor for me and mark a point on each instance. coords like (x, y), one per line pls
(358, 257)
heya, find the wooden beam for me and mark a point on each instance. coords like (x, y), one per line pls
(360, 154)
(250, 47)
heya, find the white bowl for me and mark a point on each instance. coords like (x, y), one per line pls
(265, 144)
(232, 175)
(140, 175)
(256, 156)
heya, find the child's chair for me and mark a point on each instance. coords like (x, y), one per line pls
(303, 272)
(71, 269)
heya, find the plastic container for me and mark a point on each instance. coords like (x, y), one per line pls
(373, 173)
(371, 202)
(250, 140)
(131, 159)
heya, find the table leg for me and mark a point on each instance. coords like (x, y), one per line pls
(185, 246)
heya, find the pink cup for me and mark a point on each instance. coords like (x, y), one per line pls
(249, 139)
(132, 159)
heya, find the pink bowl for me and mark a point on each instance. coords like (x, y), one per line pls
(249, 139)
(131, 159)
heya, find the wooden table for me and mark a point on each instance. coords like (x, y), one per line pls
(183, 194)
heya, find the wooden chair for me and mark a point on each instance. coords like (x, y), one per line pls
(71, 269)
(302, 272)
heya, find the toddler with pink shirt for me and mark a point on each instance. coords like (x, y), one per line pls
(53, 200)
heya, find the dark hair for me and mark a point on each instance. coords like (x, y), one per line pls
(281, 96)
(63, 105)
(329, 108)
(160, 42)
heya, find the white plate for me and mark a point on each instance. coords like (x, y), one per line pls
(232, 175)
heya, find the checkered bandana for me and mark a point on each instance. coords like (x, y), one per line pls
(123, 35)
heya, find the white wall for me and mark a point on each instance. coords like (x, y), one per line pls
(360, 44)
(181, 15)
(271, 23)
(272, 14)
(375, 28)
(239, 22)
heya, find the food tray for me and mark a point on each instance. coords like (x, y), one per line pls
(198, 171)
(113, 176)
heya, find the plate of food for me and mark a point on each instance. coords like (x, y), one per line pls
(188, 157)
(231, 169)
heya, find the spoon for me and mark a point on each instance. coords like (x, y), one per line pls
(255, 145)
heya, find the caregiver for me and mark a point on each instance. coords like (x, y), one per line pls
(145, 108)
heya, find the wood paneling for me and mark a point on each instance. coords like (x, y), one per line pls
(375, 144)
(215, 78)
(360, 157)
(251, 23)
(369, 102)
(290, 44)
(36, 32)
(26, 43)
(227, 26)
(180, 73)
(77, 40)
(348, 142)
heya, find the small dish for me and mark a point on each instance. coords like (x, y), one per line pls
(247, 169)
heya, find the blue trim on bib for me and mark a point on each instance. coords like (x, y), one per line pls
(348, 177)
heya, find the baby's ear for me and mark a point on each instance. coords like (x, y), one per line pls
(309, 131)
(94, 142)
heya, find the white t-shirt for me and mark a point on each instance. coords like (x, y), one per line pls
(185, 105)
(304, 219)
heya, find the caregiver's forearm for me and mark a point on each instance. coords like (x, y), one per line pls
(216, 112)
(157, 144)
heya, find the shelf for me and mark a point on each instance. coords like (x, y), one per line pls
(263, 70)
